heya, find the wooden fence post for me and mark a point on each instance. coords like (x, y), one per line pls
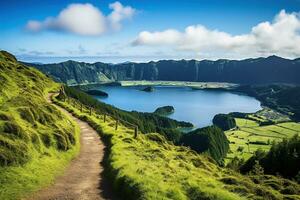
(136, 129)
(248, 146)
(104, 119)
(90, 110)
(81, 107)
(117, 123)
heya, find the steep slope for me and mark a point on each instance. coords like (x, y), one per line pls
(272, 69)
(36, 140)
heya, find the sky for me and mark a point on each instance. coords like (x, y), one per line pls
(143, 30)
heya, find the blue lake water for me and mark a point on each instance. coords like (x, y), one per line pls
(195, 106)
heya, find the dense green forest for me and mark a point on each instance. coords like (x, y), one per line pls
(211, 140)
(96, 93)
(283, 159)
(249, 71)
(225, 122)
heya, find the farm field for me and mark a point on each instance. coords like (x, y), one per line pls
(249, 136)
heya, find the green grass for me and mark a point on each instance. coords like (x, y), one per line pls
(150, 167)
(250, 132)
(36, 140)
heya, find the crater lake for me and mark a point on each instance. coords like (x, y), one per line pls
(195, 106)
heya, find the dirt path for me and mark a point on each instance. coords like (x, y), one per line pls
(83, 179)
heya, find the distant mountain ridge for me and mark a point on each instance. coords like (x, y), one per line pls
(272, 69)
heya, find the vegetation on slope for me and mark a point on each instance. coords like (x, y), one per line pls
(282, 98)
(211, 140)
(36, 140)
(283, 159)
(96, 93)
(223, 121)
(150, 167)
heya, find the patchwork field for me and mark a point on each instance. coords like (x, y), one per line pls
(250, 136)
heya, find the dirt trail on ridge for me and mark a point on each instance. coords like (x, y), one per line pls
(83, 178)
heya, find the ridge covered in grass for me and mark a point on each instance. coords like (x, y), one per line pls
(36, 140)
(150, 167)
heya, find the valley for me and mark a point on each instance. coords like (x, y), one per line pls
(142, 148)
(150, 100)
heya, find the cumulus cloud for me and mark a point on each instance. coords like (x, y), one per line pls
(281, 37)
(118, 14)
(84, 19)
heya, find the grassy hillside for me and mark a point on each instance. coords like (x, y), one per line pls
(36, 140)
(150, 167)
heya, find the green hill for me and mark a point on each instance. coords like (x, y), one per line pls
(34, 135)
(211, 140)
(37, 141)
(150, 167)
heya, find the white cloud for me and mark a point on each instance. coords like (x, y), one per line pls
(281, 37)
(84, 19)
(158, 38)
(119, 13)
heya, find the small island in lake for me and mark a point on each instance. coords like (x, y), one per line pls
(97, 93)
(164, 110)
(148, 89)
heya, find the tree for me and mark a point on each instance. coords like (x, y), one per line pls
(211, 140)
(223, 121)
(257, 169)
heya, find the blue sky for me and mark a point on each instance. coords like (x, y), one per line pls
(147, 30)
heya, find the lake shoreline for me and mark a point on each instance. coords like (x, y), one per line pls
(195, 85)
(195, 106)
